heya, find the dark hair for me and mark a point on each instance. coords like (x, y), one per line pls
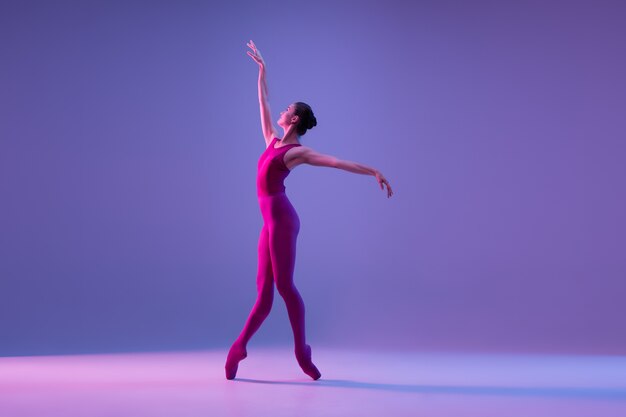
(307, 118)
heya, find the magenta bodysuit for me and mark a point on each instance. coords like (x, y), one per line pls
(277, 241)
(271, 169)
(277, 256)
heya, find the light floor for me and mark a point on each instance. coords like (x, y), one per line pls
(270, 384)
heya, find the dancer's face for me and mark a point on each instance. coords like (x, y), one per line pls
(287, 115)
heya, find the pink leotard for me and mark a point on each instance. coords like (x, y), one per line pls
(277, 245)
(277, 256)
(271, 169)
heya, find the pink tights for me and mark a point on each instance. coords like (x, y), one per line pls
(276, 261)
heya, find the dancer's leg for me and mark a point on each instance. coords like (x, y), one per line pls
(265, 290)
(283, 253)
(260, 310)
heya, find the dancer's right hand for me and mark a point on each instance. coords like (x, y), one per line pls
(256, 55)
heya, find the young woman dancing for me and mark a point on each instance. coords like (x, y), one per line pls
(277, 242)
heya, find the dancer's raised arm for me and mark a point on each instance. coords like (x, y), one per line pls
(307, 155)
(269, 132)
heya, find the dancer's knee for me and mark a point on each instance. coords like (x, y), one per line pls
(286, 289)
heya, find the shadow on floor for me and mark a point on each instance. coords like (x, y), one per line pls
(562, 392)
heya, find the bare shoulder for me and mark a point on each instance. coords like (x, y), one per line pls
(301, 150)
(296, 156)
(306, 155)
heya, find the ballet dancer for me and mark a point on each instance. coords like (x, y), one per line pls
(277, 241)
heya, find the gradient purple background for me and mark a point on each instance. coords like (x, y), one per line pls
(130, 135)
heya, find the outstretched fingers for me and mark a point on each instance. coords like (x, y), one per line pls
(255, 54)
(384, 181)
(255, 57)
(252, 46)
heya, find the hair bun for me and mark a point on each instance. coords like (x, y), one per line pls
(307, 118)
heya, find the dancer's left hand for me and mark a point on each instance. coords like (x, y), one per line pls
(382, 180)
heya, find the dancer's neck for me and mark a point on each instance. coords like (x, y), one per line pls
(290, 136)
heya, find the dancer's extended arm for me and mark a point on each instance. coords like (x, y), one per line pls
(269, 132)
(311, 157)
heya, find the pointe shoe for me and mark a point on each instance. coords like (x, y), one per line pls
(235, 355)
(305, 362)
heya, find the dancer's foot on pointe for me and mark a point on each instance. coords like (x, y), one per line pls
(304, 360)
(236, 354)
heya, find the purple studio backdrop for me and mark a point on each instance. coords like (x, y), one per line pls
(130, 134)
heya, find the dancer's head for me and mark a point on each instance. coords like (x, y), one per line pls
(299, 114)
